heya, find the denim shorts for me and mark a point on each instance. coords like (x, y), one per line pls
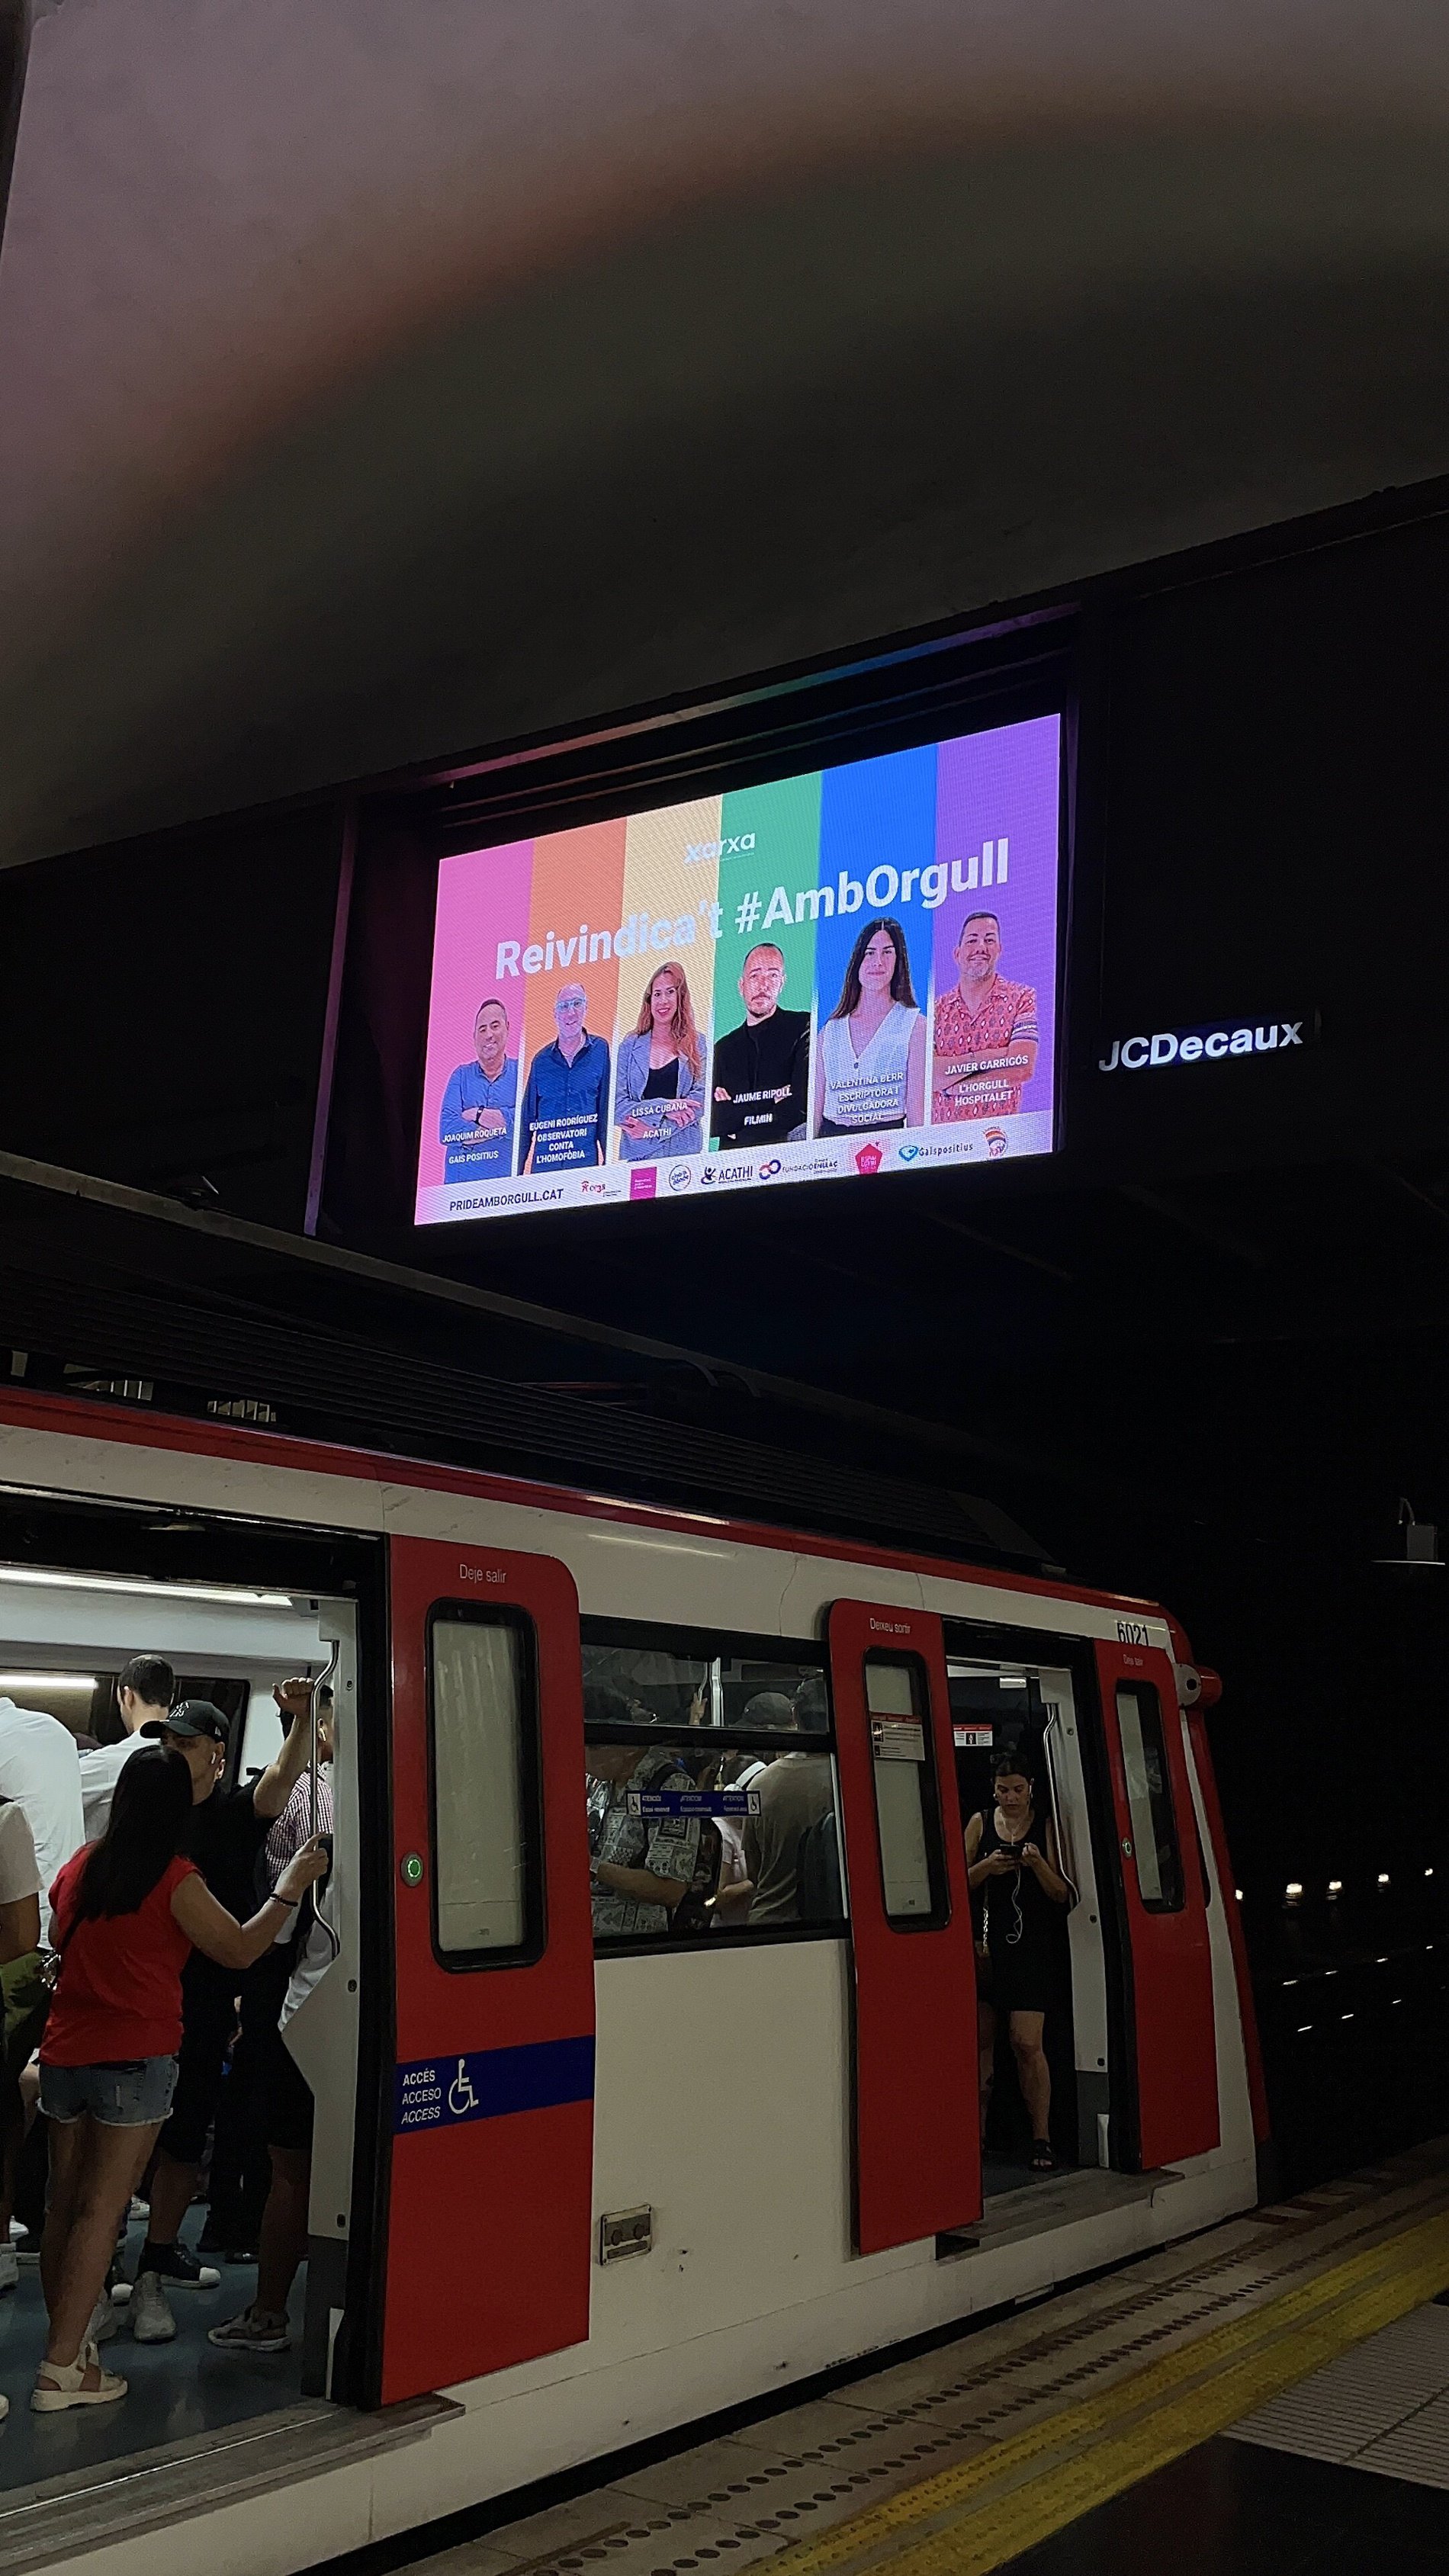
(132, 2095)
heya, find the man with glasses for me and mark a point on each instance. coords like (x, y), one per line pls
(566, 1105)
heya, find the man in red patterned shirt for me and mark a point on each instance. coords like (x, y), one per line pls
(985, 1038)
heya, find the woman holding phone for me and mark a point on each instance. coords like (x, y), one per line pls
(1011, 1858)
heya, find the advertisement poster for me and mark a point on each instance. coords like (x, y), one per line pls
(844, 974)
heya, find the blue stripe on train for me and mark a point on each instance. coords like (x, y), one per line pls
(440, 2092)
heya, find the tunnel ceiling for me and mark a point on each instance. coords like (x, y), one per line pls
(379, 383)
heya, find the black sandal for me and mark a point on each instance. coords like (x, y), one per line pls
(1041, 2159)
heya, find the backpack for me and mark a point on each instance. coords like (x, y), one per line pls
(820, 1896)
(691, 1915)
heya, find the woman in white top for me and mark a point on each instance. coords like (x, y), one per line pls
(22, 1993)
(870, 1065)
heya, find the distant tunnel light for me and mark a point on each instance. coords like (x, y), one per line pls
(1335, 1887)
(1238, 1893)
(1383, 1878)
(1293, 1889)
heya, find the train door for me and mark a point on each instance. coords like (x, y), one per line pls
(1172, 2039)
(1009, 1700)
(489, 2186)
(917, 2144)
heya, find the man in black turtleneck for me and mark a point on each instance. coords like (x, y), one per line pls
(761, 1075)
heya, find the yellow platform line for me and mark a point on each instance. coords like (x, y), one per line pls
(969, 2519)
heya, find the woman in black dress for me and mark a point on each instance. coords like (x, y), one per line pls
(1013, 1861)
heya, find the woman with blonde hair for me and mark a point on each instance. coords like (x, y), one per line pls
(659, 1090)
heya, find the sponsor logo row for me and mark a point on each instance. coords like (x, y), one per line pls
(714, 1174)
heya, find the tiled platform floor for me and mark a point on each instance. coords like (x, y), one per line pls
(799, 2476)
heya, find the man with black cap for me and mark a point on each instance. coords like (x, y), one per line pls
(228, 1828)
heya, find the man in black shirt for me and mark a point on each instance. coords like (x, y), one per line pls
(761, 1074)
(228, 1828)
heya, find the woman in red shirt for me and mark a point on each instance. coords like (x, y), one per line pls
(126, 1914)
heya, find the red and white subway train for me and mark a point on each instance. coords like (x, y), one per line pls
(589, 2180)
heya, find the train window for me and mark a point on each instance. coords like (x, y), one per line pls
(753, 1691)
(722, 1822)
(483, 1705)
(1149, 1798)
(907, 1809)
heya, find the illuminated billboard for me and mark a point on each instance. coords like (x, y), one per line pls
(851, 972)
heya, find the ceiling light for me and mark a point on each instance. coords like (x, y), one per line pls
(45, 1579)
(1383, 1878)
(1335, 1887)
(1238, 1893)
(1293, 1888)
(47, 1681)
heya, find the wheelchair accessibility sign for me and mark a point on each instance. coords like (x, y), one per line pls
(492, 2084)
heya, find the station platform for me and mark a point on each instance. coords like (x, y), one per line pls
(1273, 2394)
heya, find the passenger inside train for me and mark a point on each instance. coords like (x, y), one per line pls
(1013, 1870)
(1033, 2110)
(728, 1824)
(165, 1911)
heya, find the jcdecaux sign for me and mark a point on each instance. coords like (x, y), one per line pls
(1207, 1044)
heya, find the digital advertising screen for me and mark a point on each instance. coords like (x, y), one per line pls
(849, 973)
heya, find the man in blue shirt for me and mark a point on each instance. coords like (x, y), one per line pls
(475, 1124)
(566, 1105)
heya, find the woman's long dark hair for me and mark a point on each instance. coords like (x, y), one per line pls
(902, 989)
(149, 1816)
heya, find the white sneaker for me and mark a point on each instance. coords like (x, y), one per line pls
(104, 2321)
(151, 2319)
(9, 2268)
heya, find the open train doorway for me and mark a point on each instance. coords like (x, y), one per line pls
(263, 1634)
(1041, 1968)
